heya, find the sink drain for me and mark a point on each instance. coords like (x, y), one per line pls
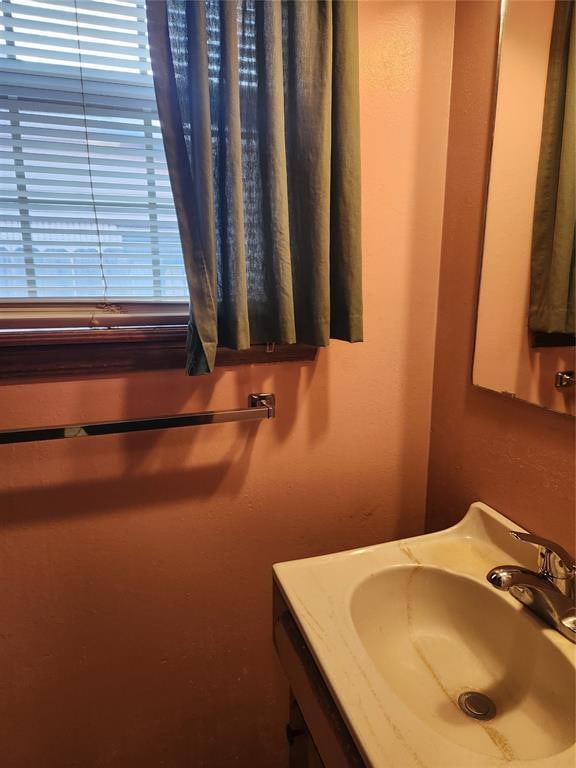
(476, 705)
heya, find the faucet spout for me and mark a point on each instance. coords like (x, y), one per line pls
(505, 577)
(550, 598)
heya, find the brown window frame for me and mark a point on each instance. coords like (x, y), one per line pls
(57, 339)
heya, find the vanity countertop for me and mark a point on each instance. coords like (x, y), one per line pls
(332, 600)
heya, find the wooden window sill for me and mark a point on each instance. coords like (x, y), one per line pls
(82, 352)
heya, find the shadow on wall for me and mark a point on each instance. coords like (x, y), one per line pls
(125, 471)
(223, 389)
(229, 388)
(126, 492)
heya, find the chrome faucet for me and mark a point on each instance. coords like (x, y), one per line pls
(550, 593)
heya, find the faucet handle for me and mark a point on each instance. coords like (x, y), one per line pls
(555, 562)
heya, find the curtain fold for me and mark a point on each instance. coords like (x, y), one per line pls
(280, 320)
(234, 321)
(552, 274)
(345, 235)
(182, 94)
(258, 103)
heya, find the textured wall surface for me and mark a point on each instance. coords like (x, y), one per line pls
(516, 457)
(135, 605)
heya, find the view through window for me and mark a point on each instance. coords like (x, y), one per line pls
(86, 209)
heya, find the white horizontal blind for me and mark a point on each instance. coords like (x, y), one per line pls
(86, 208)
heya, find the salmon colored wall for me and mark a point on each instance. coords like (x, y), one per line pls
(135, 605)
(516, 457)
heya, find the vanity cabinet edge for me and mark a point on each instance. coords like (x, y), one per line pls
(323, 719)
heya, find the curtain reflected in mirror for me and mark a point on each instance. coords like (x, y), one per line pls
(525, 318)
(552, 274)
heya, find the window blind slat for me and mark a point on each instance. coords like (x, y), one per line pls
(74, 153)
(70, 225)
(125, 49)
(78, 164)
(101, 75)
(86, 208)
(101, 185)
(59, 90)
(127, 9)
(28, 27)
(127, 61)
(66, 11)
(18, 129)
(79, 123)
(132, 111)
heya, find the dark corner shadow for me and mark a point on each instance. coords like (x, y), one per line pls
(128, 492)
(424, 227)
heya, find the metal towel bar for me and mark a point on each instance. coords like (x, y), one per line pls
(260, 406)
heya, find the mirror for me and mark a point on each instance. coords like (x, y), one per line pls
(525, 323)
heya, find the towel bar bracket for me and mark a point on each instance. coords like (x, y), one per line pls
(564, 379)
(263, 400)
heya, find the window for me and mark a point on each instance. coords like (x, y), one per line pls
(86, 205)
(89, 243)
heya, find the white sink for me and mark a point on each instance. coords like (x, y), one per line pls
(451, 635)
(401, 630)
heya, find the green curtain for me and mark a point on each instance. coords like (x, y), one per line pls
(258, 104)
(552, 276)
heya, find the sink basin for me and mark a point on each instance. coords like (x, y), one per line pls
(450, 634)
(403, 631)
